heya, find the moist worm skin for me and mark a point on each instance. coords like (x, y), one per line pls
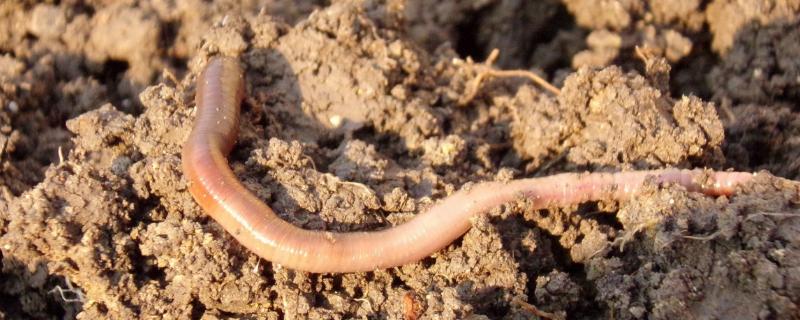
(220, 89)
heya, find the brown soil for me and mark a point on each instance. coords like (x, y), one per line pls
(353, 121)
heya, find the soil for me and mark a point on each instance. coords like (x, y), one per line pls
(356, 119)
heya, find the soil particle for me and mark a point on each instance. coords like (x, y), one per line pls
(618, 29)
(48, 22)
(540, 125)
(687, 14)
(604, 46)
(727, 18)
(557, 292)
(95, 40)
(113, 23)
(700, 254)
(612, 118)
(615, 15)
(757, 67)
(763, 137)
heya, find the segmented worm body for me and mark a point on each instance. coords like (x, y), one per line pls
(220, 88)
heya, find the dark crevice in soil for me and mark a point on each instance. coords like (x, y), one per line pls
(83, 7)
(113, 70)
(469, 44)
(30, 37)
(564, 263)
(593, 211)
(467, 39)
(144, 208)
(388, 144)
(562, 20)
(398, 282)
(112, 74)
(684, 79)
(169, 35)
(198, 309)
(562, 257)
(488, 301)
(8, 307)
(146, 269)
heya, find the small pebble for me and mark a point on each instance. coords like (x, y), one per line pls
(13, 107)
(335, 120)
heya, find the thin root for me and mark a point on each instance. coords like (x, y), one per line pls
(170, 76)
(366, 302)
(773, 214)
(310, 161)
(3, 148)
(709, 237)
(79, 298)
(642, 54)
(350, 183)
(488, 72)
(60, 156)
(725, 106)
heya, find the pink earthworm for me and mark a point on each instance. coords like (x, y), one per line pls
(220, 89)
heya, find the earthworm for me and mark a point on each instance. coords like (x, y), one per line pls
(220, 89)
